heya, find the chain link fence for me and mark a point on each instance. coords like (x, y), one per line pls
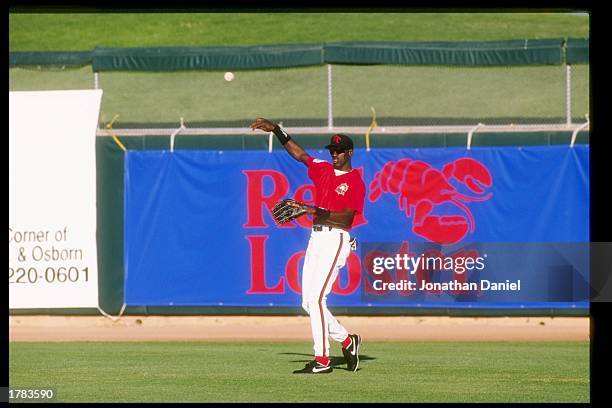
(301, 97)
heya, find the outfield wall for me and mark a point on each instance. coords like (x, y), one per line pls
(409, 84)
(110, 164)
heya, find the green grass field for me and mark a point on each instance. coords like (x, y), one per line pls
(235, 372)
(84, 31)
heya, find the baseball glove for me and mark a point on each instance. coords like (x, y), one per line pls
(287, 210)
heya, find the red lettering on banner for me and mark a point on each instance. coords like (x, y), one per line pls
(457, 276)
(300, 195)
(256, 197)
(403, 273)
(423, 274)
(258, 267)
(280, 187)
(462, 277)
(371, 276)
(353, 269)
(277, 186)
(293, 271)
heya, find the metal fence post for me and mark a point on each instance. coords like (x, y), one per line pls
(471, 133)
(96, 80)
(330, 114)
(568, 94)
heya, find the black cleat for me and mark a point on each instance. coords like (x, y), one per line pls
(351, 354)
(314, 367)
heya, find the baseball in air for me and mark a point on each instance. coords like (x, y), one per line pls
(229, 76)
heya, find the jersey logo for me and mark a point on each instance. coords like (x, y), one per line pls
(342, 189)
(318, 161)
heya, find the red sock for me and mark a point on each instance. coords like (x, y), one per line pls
(346, 342)
(322, 359)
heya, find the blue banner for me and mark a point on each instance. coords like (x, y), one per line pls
(198, 228)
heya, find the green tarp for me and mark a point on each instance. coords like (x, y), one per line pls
(67, 58)
(577, 51)
(524, 52)
(489, 53)
(209, 58)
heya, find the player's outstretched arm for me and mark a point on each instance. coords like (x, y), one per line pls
(294, 149)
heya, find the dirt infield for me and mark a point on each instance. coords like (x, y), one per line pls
(281, 328)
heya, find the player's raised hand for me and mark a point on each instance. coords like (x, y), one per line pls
(262, 124)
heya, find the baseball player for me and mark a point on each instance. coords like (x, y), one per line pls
(339, 195)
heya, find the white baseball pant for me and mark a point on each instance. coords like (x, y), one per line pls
(326, 254)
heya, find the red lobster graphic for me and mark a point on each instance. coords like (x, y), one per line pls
(421, 186)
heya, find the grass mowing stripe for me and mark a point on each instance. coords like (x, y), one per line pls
(85, 31)
(391, 372)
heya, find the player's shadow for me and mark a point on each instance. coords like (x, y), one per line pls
(338, 363)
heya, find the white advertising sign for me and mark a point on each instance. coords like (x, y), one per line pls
(52, 199)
